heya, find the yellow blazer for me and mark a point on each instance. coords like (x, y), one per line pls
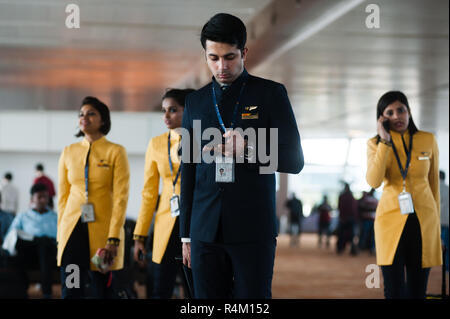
(108, 192)
(422, 182)
(156, 166)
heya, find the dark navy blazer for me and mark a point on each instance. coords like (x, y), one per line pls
(245, 209)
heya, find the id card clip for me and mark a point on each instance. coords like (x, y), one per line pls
(175, 205)
(405, 202)
(224, 169)
(87, 213)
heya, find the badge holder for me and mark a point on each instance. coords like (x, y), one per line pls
(405, 202)
(87, 213)
(224, 169)
(175, 205)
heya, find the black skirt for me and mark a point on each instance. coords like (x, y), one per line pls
(77, 247)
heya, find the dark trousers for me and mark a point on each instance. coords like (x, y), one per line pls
(223, 271)
(324, 228)
(367, 236)
(92, 284)
(444, 237)
(412, 283)
(165, 273)
(40, 253)
(345, 235)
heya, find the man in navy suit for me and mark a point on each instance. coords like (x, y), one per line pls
(228, 224)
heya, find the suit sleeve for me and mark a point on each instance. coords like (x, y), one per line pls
(377, 156)
(433, 175)
(188, 168)
(149, 192)
(63, 186)
(121, 180)
(290, 153)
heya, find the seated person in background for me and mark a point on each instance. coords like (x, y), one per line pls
(5, 221)
(39, 223)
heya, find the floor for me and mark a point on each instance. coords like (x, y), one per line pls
(309, 272)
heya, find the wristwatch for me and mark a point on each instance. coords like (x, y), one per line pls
(249, 152)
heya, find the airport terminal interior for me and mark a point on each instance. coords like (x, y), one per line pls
(336, 58)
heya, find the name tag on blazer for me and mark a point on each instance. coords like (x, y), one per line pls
(103, 164)
(424, 156)
(250, 113)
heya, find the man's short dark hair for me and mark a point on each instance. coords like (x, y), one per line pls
(179, 95)
(36, 188)
(39, 167)
(102, 109)
(8, 176)
(441, 175)
(224, 28)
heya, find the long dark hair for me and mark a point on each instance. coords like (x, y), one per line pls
(104, 114)
(387, 99)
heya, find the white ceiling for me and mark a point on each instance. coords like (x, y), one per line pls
(128, 52)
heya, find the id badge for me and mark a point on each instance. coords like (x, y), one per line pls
(224, 169)
(406, 203)
(87, 213)
(175, 205)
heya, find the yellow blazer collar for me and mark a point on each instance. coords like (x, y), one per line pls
(100, 141)
(397, 137)
(174, 135)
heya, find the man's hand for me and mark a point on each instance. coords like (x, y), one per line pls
(139, 247)
(187, 254)
(234, 145)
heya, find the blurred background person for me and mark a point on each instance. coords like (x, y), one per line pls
(348, 211)
(10, 193)
(162, 160)
(41, 178)
(92, 200)
(367, 206)
(36, 246)
(295, 207)
(406, 160)
(5, 221)
(444, 215)
(324, 209)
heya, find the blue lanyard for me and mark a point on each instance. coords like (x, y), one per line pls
(404, 172)
(171, 165)
(236, 108)
(86, 174)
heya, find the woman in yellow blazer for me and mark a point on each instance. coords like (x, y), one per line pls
(81, 231)
(405, 237)
(166, 241)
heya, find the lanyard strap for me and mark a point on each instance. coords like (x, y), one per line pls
(236, 108)
(171, 165)
(86, 174)
(404, 172)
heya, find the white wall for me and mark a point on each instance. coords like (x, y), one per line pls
(27, 138)
(30, 137)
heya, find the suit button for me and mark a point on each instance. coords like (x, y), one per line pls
(221, 189)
